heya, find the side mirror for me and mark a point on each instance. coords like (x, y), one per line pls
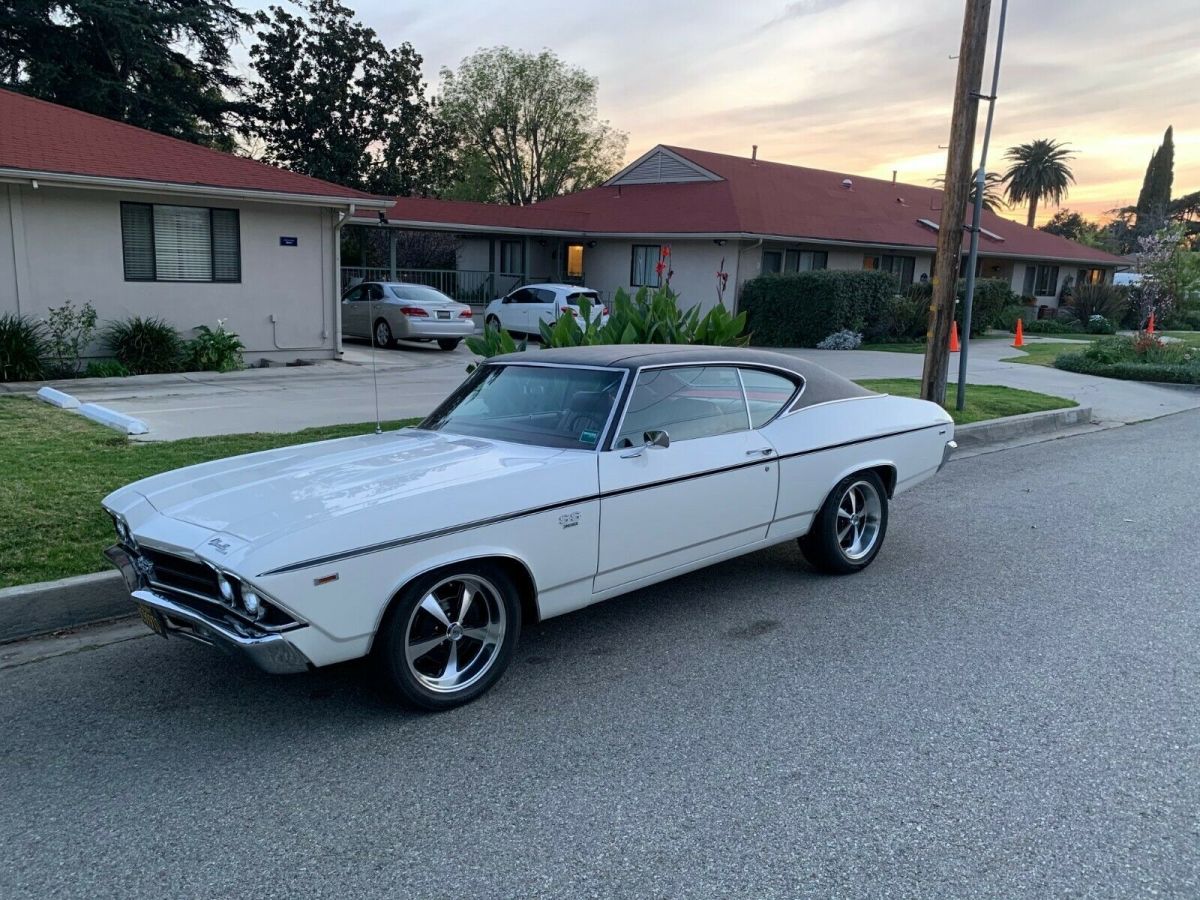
(658, 439)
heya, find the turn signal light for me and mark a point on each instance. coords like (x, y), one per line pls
(466, 314)
(413, 311)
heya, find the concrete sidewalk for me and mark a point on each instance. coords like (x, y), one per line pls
(414, 379)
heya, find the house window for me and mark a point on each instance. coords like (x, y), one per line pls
(574, 260)
(512, 257)
(180, 243)
(900, 266)
(805, 260)
(642, 272)
(1090, 276)
(1027, 284)
(772, 262)
(1047, 281)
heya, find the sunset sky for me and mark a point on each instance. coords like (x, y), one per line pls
(861, 86)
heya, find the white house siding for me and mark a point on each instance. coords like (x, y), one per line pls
(695, 263)
(69, 248)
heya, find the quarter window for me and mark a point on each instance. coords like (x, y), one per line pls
(805, 260)
(180, 243)
(772, 262)
(766, 394)
(642, 271)
(687, 402)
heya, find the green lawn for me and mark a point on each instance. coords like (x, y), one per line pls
(984, 401)
(58, 466)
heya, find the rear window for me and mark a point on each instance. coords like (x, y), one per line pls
(592, 297)
(417, 293)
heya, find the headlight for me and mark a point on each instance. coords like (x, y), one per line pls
(123, 533)
(225, 587)
(252, 603)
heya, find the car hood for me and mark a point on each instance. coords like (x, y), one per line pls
(264, 495)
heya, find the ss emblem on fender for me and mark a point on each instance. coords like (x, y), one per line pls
(569, 520)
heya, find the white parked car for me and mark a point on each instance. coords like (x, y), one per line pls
(392, 311)
(521, 310)
(548, 481)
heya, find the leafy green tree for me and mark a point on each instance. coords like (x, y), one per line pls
(331, 101)
(528, 127)
(158, 64)
(1039, 171)
(993, 190)
(1154, 199)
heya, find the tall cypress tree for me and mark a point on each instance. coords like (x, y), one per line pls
(1154, 200)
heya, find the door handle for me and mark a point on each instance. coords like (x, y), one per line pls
(764, 451)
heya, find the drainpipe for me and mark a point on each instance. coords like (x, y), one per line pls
(337, 293)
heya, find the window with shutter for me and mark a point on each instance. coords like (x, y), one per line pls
(180, 243)
(137, 241)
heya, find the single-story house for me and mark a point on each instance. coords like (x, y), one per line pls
(137, 223)
(718, 213)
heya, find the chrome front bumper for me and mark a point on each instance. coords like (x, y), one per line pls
(169, 618)
(947, 452)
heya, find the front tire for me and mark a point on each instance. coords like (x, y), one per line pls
(492, 322)
(849, 529)
(448, 343)
(449, 635)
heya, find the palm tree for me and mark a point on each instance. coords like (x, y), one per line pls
(1039, 171)
(993, 197)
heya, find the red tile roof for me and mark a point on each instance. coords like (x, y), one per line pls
(36, 136)
(753, 198)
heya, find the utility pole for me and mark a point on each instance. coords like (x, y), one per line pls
(977, 216)
(954, 198)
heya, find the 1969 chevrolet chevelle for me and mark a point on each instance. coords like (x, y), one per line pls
(548, 481)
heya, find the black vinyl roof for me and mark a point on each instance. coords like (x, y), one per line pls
(821, 385)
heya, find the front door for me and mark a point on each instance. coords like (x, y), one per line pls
(712, 490)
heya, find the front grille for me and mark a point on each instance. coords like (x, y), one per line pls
(182, 574)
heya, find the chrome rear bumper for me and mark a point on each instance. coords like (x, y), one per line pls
(947, 452)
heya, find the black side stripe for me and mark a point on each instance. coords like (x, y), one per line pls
(507, 517)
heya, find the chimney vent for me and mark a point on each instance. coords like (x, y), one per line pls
(893, 176)
(754, 152)
(848, 184)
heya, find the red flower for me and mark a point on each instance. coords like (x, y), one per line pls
(666, 251)
(659, 267)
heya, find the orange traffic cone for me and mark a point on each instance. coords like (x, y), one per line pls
(1020, 339)
(1150, 325)
(954, 348)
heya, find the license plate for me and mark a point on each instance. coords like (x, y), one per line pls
(443, 314)
(153, 620)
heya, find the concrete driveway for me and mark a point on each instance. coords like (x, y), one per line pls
(413, 379)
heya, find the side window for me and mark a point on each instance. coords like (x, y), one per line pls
(766, 394)
(374, 293)
(520, 295)
(355, 293)
(687, 403)
(544, 295)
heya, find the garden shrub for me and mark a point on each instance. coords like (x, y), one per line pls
(69, 331)
(842, 340)
(1100, 325)
(22, 347)
(214, 350)
(1010, 314)
(1140, 358)
(992, 295)
(145, 346)
(1089, 300)
(106, 368)
(799, 309)
(1053, 326)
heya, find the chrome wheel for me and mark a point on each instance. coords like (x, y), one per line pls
(859, 514)
(455, 633)
(383, 334)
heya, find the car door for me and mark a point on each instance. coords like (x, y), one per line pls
(514, 311)
(352, 312)
(545, 309)
(712, 490)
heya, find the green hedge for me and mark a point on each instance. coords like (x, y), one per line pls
(1053, 326)
(799, 310)
(1172, 373)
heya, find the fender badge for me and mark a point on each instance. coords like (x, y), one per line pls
(569, 520)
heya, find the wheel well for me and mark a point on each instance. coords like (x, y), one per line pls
(887, 474)
(515, 569)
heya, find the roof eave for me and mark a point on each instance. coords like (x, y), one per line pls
(96, 182)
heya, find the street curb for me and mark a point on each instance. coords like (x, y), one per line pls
(995, 431)
(32, 609)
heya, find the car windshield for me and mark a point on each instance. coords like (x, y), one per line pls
(417, 293)
(550, 406)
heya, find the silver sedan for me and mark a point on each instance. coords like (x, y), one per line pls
(390, 311)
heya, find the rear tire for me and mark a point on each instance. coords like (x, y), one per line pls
(449, 635)
(849, 529)
(383, 334)
(448, 343)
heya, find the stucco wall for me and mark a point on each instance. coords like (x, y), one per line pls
(8, 270)
(72, 250)
(695, 264)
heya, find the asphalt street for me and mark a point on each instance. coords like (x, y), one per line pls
(1004, 705)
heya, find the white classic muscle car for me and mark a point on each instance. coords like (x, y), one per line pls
(548, 481)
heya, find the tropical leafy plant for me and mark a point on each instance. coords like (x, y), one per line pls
(145, 346)
(22, 347)
(69, 331)
(494, 342)
(993, 190)
(1090, 300)
(106, 368)
(214, 350)
(1039, 171)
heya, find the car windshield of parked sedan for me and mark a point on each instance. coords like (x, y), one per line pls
(417, 293)
(550, 406)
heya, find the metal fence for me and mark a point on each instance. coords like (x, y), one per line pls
(464, 285)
